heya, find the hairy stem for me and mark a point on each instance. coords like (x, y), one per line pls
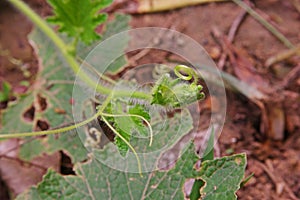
(39, 22)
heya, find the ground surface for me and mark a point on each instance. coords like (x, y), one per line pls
(275, 164)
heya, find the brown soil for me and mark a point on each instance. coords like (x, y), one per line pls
(275, 164)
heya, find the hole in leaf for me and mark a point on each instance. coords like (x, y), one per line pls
(42, 125)
(66, 167)
(3, 105)
(4, 194)
(42, 102)
(29, 114)
(238, 161)
(106, 130)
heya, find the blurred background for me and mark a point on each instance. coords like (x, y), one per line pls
(263, 117)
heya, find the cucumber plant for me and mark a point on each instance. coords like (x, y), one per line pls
(122, 119)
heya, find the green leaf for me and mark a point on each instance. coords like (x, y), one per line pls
(15, 112)
(209, 150)
(167, 132)
(78, 19)
(31, 149)
(174, 93)
(108, 57)
(195, 193)
(245, 181)
(121, 145)
(119, 24)
(48, 102)
(222, 177)
(95, 180)
(57, 89)
(55, 84)
(138, 124)
(207, 155)
(127, 125)
(139, 110)
(6, 89)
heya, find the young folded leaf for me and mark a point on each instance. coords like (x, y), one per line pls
(174, 93)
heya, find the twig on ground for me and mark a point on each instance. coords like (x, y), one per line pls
(293, 74)
(235, 25)
(148, 6)
(279, 183)
(133, 59)
(296, 4)
(265, 23)
(231, 34)
(268, 18)
(6, 53)
(283, 56)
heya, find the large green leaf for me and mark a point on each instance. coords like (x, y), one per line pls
(167, 132)
(222, 177)
(96, 181)
(13, 119)
(54, 83)
(48, 101)
(79, 18)
(109, 55)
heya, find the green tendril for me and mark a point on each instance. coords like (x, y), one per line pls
(59, 130)
(133, 115)
(189, 73)
(126, 142)
(50, 132)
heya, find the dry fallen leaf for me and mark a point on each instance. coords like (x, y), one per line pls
(244, 69)
(147, 6)
(273, 116)
(20, 175)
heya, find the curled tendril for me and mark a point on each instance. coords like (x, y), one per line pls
(189, 73)
(174, 93)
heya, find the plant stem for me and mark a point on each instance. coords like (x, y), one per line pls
(60, 130)
(49, 132)
(39, 22)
